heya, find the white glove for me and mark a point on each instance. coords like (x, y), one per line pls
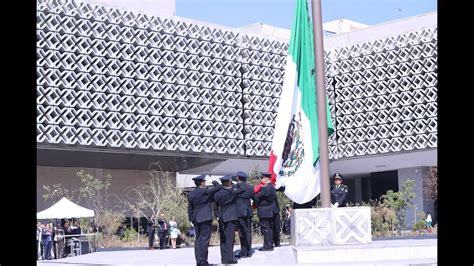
(335, 205)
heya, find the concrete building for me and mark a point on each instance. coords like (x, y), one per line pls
(160, 8)
(342, 26)
(119, 89)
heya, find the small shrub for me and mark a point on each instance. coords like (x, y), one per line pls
(420, 224)
(383, 218)
(109, 223)
(130, 235)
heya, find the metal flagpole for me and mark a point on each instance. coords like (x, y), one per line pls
(321, 103)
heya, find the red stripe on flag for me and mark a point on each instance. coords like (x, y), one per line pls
(257, 187)
(271, 163)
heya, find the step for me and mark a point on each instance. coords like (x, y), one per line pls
(378, 251)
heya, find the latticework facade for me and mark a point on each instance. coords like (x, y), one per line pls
(120, 80)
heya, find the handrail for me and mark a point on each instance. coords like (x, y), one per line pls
(80, 235)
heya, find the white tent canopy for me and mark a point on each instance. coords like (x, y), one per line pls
(64, 208)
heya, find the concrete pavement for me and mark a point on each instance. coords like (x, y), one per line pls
(284, 255)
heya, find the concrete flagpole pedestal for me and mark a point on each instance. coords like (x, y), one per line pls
(331, 226)
(343, 235)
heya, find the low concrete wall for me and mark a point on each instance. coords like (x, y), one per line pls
(331, 226)
(395, 252)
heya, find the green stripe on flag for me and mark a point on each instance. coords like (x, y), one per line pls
(301, 49)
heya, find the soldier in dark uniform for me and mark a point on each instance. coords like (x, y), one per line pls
(265, 205)
(244, 212)
(276, 225)
(162, 230)
(276, 221)
(225, 199)
(338, 192)
(151, 231)
(200, 215)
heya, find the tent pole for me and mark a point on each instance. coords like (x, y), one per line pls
(55, 232)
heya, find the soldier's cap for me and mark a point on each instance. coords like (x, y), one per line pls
(242, 175)
(199, 178)
(226, 178)
(337, 175)
(266, 174)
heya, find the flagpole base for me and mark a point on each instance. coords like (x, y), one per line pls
(331, 226)
(343, 235)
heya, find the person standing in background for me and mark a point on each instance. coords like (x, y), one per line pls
(174, 232)
(162, 230)
(287, 221)
(151, 231)
(46, 237)
(39, 240)
(429, 221)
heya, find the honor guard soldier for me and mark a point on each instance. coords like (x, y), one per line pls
(200, 215)
(226, 201)
(338, 192)
(265, 205)
(276, 228)
(276, 221)
(244, 213)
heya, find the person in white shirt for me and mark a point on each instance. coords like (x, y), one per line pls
(428, 222)
(174, 232)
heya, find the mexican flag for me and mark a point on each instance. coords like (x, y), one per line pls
(294, 158)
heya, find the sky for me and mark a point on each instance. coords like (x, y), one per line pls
(238, 13)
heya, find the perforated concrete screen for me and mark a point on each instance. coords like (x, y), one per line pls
(383, 94)
(108, 78)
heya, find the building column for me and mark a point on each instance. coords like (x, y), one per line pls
(358, 190)
(428, 205)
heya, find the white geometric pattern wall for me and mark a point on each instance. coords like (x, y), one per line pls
(351, 225)
(110, 78)
(311, 227)
(118, 79)
(383, 94)
(331, 226)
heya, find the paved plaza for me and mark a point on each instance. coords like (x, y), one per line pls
(283, 255)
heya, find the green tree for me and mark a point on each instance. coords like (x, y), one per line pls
(110, 222)
(401, 200)
(93, 192)
(420, 224)
(56, 192)
(383, 218)
(158, 195)
(254, 176)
